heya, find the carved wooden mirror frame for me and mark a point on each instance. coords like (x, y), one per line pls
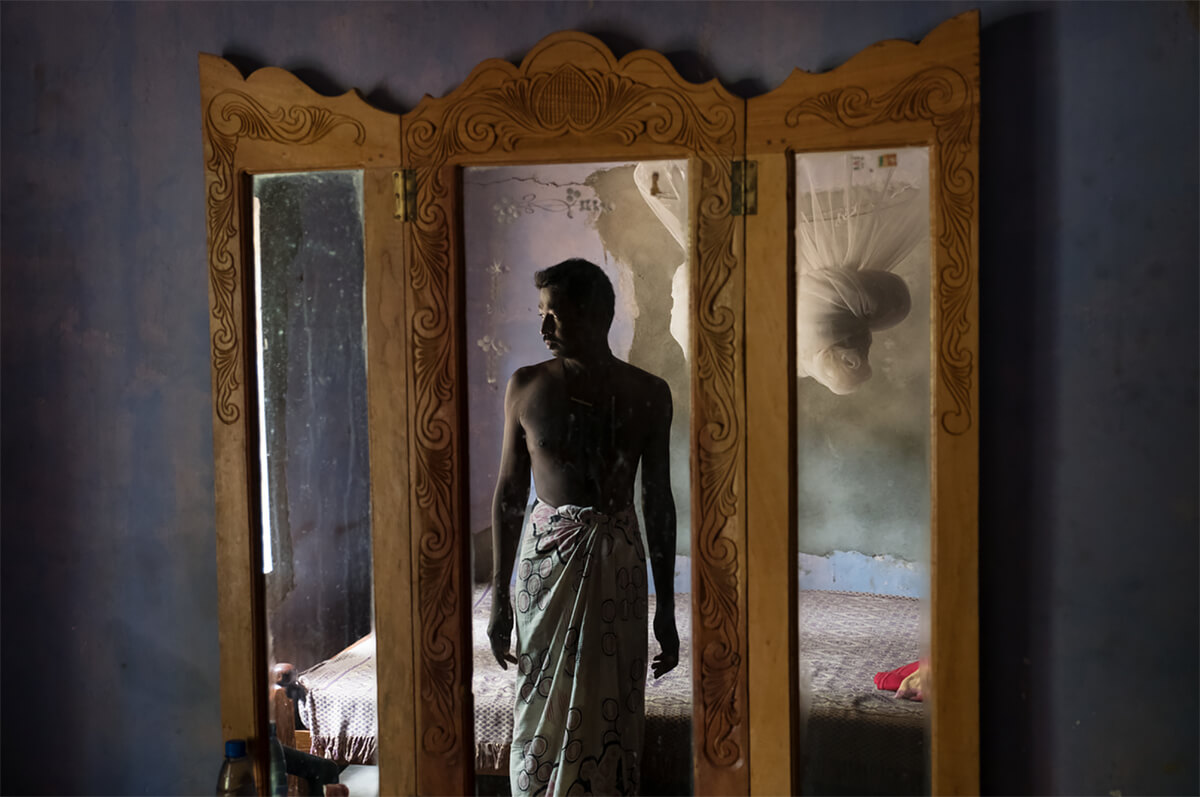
(572, 100)
(892, 95)
(272, 122)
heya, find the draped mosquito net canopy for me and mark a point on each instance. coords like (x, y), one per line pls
(858, 216)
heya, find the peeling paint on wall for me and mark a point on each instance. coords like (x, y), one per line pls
(851, 571)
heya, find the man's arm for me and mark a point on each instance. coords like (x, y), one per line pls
(658, 508)
(508, 510)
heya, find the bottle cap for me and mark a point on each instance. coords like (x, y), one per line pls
(235, 748)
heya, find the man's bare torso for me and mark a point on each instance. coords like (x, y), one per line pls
(586, 431)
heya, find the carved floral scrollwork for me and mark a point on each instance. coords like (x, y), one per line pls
(719, 446)
(506, 109)
(945, 98)
(434, 425)
(231, 116)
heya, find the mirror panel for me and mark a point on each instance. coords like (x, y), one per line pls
(631, 219)
(893, 98)
(572, 100)
(313, 455)
(268, 123)
(863, 342)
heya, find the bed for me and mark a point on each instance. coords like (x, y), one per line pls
(334, 702)
(855, 738)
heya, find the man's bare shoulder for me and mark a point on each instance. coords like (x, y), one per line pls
(528, 377)
(643, 382)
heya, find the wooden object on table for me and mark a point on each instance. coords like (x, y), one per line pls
(285, 691)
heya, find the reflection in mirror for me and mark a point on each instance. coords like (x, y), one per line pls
(314, 468)
(863, 264)
(590, 558)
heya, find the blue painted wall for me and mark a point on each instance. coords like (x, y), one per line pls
(1089, 367)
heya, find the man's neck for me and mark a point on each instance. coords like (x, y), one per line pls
(589, 362)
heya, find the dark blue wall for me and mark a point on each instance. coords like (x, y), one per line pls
(1089, 365)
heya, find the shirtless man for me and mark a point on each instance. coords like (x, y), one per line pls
(582, 422)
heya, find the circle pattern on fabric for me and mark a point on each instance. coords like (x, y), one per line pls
(608, 611)
(580, 626)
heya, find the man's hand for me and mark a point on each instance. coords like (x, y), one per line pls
(668, 640)
(500, 630)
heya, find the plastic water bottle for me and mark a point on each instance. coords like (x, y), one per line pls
(279, 785)
(237, 773)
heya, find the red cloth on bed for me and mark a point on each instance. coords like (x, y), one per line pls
(891, 679)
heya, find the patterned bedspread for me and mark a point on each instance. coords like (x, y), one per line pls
(856, 739)
(339, 707)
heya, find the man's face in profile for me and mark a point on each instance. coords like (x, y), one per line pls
(567, 329)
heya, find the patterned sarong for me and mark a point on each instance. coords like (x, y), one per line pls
(581, 644)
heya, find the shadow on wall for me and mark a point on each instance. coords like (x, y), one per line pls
(1017, 269)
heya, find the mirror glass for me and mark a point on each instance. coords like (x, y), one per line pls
(314, 466)
(582, 534)
(863, 265)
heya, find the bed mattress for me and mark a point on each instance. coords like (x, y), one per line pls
(857, 739)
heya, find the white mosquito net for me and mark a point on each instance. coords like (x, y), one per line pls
(858, 215)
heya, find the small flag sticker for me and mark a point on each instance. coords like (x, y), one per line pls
(888, 159)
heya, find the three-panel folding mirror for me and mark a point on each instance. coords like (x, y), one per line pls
(589, 430)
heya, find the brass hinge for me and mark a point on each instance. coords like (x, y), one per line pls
(404, 183)
(745, 189)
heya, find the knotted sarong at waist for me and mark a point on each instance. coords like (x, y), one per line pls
(581, 647)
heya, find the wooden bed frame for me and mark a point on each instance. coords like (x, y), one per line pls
(286, 692)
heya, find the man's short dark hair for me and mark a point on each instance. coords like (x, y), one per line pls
(585, 285)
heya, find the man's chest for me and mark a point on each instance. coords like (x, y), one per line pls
(557, 423)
